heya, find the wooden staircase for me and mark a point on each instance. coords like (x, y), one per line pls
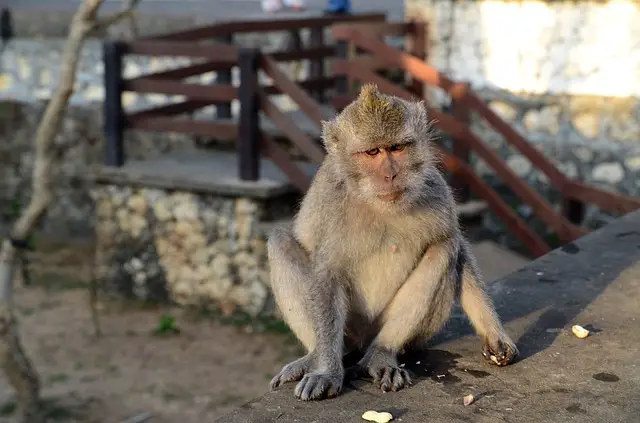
(262, 131)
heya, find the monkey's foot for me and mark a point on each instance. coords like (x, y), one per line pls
(319, 385)
(293, 371)
(382, 366)
(499, 352)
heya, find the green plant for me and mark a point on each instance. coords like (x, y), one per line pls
(166, 325)
(8, 408)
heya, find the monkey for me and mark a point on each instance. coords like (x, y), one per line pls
(374, 259)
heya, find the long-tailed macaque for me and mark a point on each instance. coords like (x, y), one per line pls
(375, 259)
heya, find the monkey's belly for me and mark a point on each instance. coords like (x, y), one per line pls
(378, 279)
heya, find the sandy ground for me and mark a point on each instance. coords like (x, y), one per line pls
(205, 370)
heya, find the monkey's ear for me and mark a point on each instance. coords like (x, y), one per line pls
(330, 136)
(419, 112)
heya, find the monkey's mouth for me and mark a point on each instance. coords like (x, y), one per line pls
(391, 196)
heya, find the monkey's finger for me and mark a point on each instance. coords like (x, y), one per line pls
(511, 353)
(320, 386)
(334, 390)
(275, 382)
(387, 379)
(310, 386)
(376, 374)
(400, 380)
(300, 387)
(407, 377)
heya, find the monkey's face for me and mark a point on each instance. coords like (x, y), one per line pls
(389, 173)
(381, 147)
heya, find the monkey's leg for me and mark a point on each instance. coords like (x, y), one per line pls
(315, 311)
(419, 308)
(498, 348)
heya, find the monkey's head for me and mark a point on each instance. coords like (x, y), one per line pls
(381, 147)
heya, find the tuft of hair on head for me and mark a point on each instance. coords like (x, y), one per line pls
(372, 104)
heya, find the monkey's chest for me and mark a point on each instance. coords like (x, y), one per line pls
(381, 273)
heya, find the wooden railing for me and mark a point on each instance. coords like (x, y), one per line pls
(221, 56)
(464, 101)
(317, 51)
(362, 35)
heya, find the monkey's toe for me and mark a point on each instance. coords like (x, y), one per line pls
(502, 354)
(392, 379)
(315, 386)
(292, 372)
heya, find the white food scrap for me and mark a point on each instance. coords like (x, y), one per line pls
(579, 331)
(374, 416)
(468, 400)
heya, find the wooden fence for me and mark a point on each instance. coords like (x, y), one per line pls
(362, 34)
(214, 44)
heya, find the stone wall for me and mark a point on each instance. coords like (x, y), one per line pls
(44, 24)
(194, 249)
(565, 74)
(553, 125)
(80, 143)
(582, 47)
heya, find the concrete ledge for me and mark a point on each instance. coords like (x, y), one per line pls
(594, 282)
(213, 172)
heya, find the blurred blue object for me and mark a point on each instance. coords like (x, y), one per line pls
(339, 6)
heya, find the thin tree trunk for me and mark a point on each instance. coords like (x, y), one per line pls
(19, 370)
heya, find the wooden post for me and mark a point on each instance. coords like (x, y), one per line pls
(6, 26)
(316, 71)
(224, 77)
(249, 131)
(113, 114)
(573, 210)
(462, 114)
(342, 81)
(418, 49)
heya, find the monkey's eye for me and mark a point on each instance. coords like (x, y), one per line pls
(373, 152)
(399, 147)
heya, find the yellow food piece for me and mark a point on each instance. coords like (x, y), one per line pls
(374, 416)
(468, 399)
(579, 331)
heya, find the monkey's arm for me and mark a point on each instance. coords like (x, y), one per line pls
(328, 308)
(423, 304)
(498, 347)
(424, 301)
(420, 307)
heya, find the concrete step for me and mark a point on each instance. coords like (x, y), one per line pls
(496, 261)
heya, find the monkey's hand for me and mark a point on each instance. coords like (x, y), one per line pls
(320, 384)
(382, 365)
(294, 371)
(314, 384)
(499, 349)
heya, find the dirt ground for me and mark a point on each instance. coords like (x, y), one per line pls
(206, 369)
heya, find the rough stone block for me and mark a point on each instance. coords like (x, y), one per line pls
(191, 248)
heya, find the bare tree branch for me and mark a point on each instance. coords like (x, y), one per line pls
(128, 10)
(13, 360)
